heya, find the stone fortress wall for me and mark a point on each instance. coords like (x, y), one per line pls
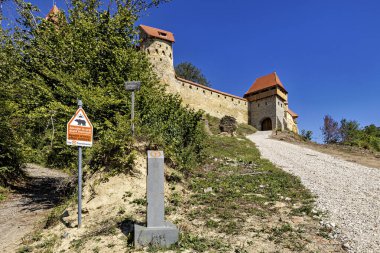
(197, 96)
(269, 102)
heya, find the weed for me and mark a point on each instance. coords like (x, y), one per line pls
(212, 224)
(121, 210)
(140, 201)
(3, 193)
(76, 244)
(25, 249)
(126, 195)
(199, 244)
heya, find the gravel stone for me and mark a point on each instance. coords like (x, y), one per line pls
(349, 192)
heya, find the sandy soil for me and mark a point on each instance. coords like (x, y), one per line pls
(28, 204)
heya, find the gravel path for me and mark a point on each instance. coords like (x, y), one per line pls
(348, 191)
(28, 205)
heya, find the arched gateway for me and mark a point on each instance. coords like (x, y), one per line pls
(266, 124)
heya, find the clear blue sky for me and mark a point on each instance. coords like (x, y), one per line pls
(326, 53)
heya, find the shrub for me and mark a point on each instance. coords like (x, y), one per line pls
(228, 124)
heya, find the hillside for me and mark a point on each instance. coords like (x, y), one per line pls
(366, 157)
(234, 202)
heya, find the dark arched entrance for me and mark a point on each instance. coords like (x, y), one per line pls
(266, 124)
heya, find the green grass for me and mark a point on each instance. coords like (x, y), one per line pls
(241, 183)
(3, 193)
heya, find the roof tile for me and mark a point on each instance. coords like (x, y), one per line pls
(265, 82)
(157, 33)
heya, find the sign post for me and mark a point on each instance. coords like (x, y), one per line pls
(133, 86)
(79, 133)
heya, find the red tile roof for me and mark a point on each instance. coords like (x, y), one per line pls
(157, 33)
(293, 114)
(53, 14)
(265, 82)
(210, 89)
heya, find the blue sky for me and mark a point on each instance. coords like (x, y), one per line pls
(326, 53)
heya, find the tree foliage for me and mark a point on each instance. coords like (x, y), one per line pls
(89, 53)
(349, 132)
(306, 134)
(330, 130)
(190, 72)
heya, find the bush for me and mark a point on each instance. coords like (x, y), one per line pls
(11, 158)
(228, 124)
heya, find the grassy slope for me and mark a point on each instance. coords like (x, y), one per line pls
(234, 202)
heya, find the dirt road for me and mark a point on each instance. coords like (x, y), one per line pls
(28, 205)
(348, 191)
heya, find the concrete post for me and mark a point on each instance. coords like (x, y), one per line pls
(158, 232)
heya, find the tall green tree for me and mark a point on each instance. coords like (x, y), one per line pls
(190, 72)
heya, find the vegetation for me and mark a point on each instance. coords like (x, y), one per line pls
(306, 134)
(87, 53)
(349, 132)
(190, 72)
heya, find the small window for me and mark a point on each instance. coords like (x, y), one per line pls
(148, 51)
(190, 86)
(204, 92)
(162, 34)
(156, 51)
(197, 88)
(170, 55)
(167, 48)
(163, 52)
(281, 105)
(232, 99)
(218, 96)
(183, 84)
(245, 103)
(225, 97)
(160, 59)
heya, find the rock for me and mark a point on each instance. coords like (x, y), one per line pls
(346, 246)
(279, 204)
(297, 219)
(288, 199)
(208, 189)
(65, 235)
(65, 214)
(262, 186)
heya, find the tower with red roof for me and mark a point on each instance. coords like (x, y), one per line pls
(268, 105)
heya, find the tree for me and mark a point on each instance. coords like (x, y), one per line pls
(188, 71)
(349, 130)
(306, 135)
(330, 130)
(89, 54)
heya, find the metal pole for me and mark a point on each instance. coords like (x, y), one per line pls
(133, 113)
(79, 179)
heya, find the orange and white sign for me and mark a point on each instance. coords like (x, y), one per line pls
(79, 130)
